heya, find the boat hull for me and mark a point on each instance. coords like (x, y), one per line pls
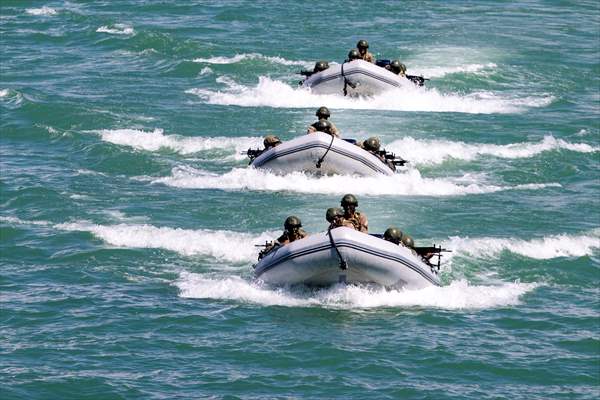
(304, 152)
(356, 78)
(313, 261)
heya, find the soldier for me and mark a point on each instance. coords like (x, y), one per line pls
(397, 68)
(353, 55)
(271, 141)
(363, 47)
(293, 231)
(353, 218)
(393, 234)
(323, 113)
(334, 216)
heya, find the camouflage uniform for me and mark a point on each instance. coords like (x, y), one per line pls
(357, 221)
(334, 130)
(288, 237)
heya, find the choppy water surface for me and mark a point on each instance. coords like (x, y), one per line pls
(129, 218)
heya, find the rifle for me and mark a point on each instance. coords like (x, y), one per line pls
(306, 73)
(427, 253)
(391, 157)
(417, 80)
(252, 153)
(267, 248)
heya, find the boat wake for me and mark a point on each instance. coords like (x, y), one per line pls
(278, 94)
(458, 295)
(408, 183)
(438, 151)
(156, 140)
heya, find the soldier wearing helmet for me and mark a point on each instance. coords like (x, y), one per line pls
(363, 50)
(352, 218)
(292, 231)
(335, 217)
(271, 141)
(393, 234)
(397, 68)
(353, 55)
(323, 114)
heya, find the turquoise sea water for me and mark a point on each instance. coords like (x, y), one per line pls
(128, 217)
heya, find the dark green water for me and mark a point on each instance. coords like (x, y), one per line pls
(129, 218)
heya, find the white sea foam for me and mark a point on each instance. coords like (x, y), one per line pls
(561, 245)
(228, 246)
(4, 92)
(41, 11)
(250, 56)
(156, 140)
(273, 93)
(406, 183)
(205, 71)
(457, 295)
(19, 221)
(438, 151)
(116, 29)
(438, 72)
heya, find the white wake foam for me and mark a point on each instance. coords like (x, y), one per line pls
(116, 29)
(457, 295)
(438, 151)
(156, 140)
(548, 247)
(405, 183)
(438, 72)
(4, 92)
(273, 93)
(41, 11)
(228, 246)
(251, 56)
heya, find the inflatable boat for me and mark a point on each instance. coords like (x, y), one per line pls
(321, 153)
(344, 255)
(354, 78)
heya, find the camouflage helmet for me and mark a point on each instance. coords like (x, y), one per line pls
(292, 222)
(353, 55)
(362, 44)
(321, 66)
(408, 241)
(271, 140)
(372, 144)
(323, 112)
(323, 125)
(332, 213)
(349, 200)
(393, 234)
(397, 67)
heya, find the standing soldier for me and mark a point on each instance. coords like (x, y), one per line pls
(363, 47)
(324, 114)
(352, 217)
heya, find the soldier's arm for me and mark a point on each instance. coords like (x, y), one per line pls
(335, 131)
(311, 129)
(364, 223)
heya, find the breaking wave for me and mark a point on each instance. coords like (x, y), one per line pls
(251, 56)
(438, 151)
(406, 183)
(116, 29)
(457, 295)
(157, 140)
(273, 93)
